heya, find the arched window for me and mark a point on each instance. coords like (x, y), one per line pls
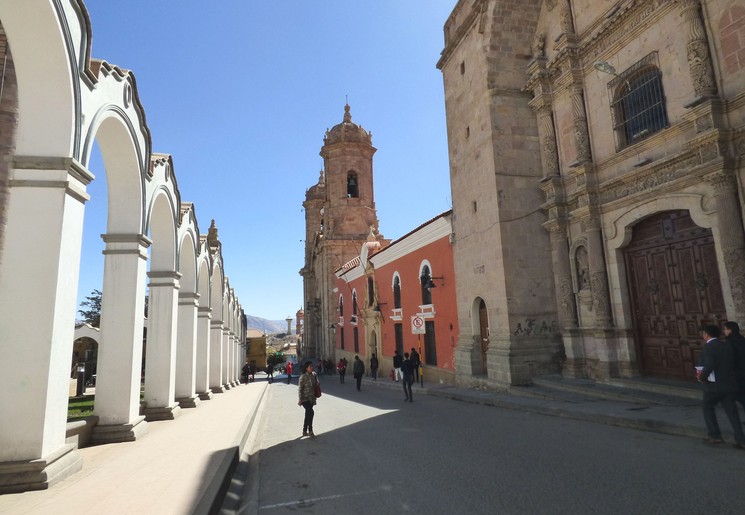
(341, 305)
(354, 304)
(426, 281)
(370, 292)
(638, 106)
(352, 185)
(397, 292)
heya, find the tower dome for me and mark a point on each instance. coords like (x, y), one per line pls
(347, 131)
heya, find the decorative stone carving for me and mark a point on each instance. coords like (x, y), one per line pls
(699, 60)
(565, 17)
(549, 151)
(581, 134)
(599, 287)
(734, 262)
(582, 264)
(539, 45)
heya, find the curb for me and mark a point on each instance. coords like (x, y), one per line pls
(214, 495)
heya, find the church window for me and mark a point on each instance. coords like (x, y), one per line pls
(356, 334)
(397, 292)
(638, 107)
(352, 185)
(341, 306)
(354, 304)
(426, 281)
(370, 292)
(462, 67)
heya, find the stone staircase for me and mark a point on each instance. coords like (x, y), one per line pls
(642, 391)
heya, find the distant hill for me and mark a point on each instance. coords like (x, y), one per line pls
(268, 326)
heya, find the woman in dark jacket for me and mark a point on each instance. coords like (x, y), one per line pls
(306, 390)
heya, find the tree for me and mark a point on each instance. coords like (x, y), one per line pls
(274, 359)
(92, 312)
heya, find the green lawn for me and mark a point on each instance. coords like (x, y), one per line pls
(79, 407)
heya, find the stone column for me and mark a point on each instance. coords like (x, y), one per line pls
(225, 365)
(581, 134)
(565, 17)
(202, 378)
(160, 362)
(732, 241)
(699, 59)
(565, 300)
(216, 357)
(549, 153)
(119, 371)
(38, 289)
(574, 365)
(186, 350)
(598, 274)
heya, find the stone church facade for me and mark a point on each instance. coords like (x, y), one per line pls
(596, 159)
(339, 215)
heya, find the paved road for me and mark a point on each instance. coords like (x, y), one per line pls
(375, 454)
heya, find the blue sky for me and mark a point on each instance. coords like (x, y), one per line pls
(241, 94)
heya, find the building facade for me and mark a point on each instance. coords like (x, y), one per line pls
(339, 214)
(379, 292)
(596, 153)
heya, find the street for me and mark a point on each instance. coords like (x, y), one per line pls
(374, 453)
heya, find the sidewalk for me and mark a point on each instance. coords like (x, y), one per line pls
(636, 404)
(179, 467)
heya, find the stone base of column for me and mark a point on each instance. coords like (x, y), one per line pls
(188, 402)
(116, 433)
(235, 383)
(574, 368)
(162, 412)
(218, 389)
(205, 396)
(228, 386)
(22, 476)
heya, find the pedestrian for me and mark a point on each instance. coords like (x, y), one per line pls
(407, 369)
(397, 360)
(374, 367)
(733, 335)
(245, 372)
(358, 371)
(306, 391)
(341, 367)
(288, 371)
(252, 372)
(270, 373)
(416, 361)
(717, 374)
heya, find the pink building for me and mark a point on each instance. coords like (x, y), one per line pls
(379, 293)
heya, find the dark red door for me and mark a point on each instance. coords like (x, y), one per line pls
(675, 291)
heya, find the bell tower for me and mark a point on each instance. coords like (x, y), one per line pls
(339, 215)
(347, 154)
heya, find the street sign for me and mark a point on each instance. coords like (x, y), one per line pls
(417, 325)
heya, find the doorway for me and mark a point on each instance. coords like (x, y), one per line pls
(675, 290)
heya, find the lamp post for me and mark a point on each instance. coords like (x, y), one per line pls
(81, 379)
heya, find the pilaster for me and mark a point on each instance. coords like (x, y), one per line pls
(186, 350)
(38, 288)
(120, 358)
(160, 362)
(202, 372)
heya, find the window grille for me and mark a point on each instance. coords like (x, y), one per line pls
(638, 106)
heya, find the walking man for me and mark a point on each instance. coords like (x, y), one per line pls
(720, 385)
(397, 360)
(374, 367)
(407, 368)
(415, 362)
(358, 371)
(733, 335)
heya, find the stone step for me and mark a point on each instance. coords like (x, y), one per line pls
(622, 391)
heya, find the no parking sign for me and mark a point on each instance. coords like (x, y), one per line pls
(417, 325)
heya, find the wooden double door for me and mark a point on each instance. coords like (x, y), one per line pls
(675, 290)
